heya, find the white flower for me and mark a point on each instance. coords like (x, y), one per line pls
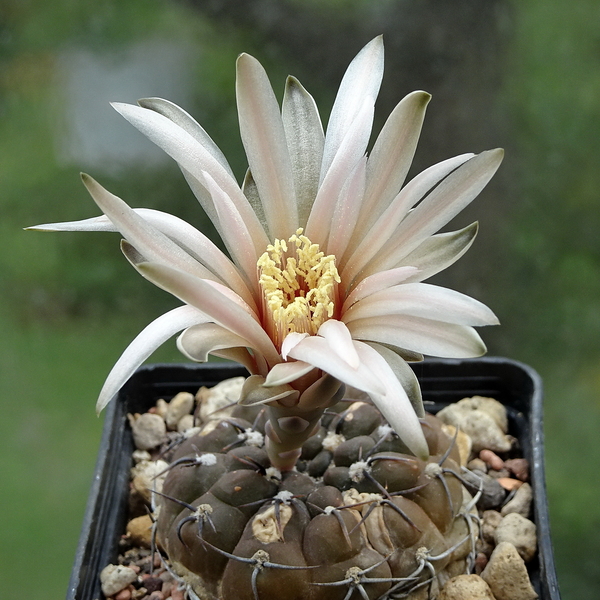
(328, 248)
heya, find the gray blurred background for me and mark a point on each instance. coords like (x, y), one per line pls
(522, 75)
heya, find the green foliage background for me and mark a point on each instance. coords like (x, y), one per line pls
(69, 304)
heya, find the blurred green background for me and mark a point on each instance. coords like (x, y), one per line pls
(523, 75)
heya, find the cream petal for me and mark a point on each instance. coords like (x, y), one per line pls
(147, 239)
(433, 338)
(263, 136)
(394, 404)
(347, 210)
(379, 281)
(193, 241)
(392, 154)
(193, 158)
(423, 300)
(287, 372)
(198, 341)
(305, 139)
(338, 337)
(405, 375)
(439, 252)
(244, 252)
(316, 351)
(224, 311)
(350, 152)
(368, 243)
(290, 340)
(188, 124)
(361, 81)
(444, 202)
(146, 342)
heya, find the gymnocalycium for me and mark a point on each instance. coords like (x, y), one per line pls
(322, 289)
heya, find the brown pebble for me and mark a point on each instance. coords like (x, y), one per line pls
(499, 474)
(177, 594)
(492, 459)
(519, 467)
(124, 594)
(509, 484)
(156, 562)
(152, 583)
(156, 595)
(481, 560)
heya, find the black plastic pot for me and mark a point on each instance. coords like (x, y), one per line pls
(516, 385)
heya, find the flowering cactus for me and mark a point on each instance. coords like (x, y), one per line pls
(328, 251)
(322, 289)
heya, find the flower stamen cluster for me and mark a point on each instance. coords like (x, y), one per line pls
(299, 286)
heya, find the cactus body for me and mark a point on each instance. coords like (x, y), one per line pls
(360, 517)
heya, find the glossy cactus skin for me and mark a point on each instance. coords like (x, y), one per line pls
(360, 517)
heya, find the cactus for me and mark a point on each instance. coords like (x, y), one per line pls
(359, 517)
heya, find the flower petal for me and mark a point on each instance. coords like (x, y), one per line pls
(290, 340)
(342, 167)
(305, 139)
(393, 153)
(148, 240)
(379, 281)
(213, 302)
(423, 300)
(150, 338)
(338, 337)
(394, 404)
(439, 252)
(361, 81)
(243, 251)
(198, 341)
(425, 336)
(193, 241)
(316, 351)
(286, 372)
(263, 136)
(188, 124)
(367, 245)
(194, 158)
(347, 209)
(442, 204)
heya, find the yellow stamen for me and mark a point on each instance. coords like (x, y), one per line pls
(299, 285)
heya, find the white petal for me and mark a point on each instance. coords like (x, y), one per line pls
(423, 300)
(148, 240)
(347, 210)
(263, 136)
(340, 340)
(287, 372)
(367, 243)
(361, 80)
(350, 152)
(439, 252)
(304, 135)
(188, 124)
(194, 158)
(290, 340)
(150, 338)
(444, 202)
(404, 374)
(394, 403)
(433, 338)
(198, 341)
(379, 281)
(392, 154)
(243, 252)
(316, 351)
(201, 294)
